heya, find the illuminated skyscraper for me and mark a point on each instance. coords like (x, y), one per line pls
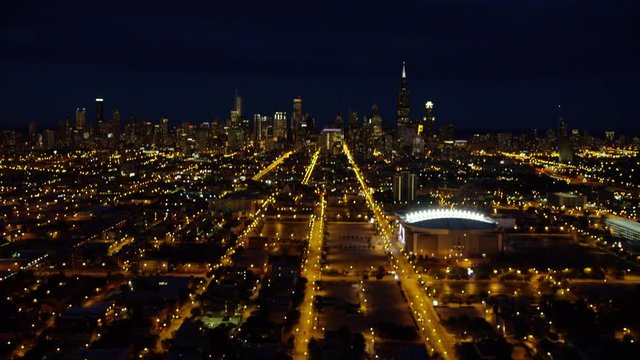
(164, 130)
(298, 126)
(260, 126)
(81, 118)
(235, 119)
(296, 116)
(237, 129)
(375, 120)
(164, 127)
(99, 111)
(428, 121)
(403, 110)
(297, 110)
(280, 125)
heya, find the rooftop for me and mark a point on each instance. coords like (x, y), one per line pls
(565, 194)
(626, 223)
(445, 218)
(454, 224)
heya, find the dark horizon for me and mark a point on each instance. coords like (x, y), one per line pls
(500, 64)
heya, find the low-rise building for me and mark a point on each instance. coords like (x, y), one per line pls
(624, 228)
(567, 200)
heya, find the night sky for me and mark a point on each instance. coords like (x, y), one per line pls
(486, 64)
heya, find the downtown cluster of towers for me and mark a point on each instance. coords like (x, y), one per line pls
(413, 133)
(265, 133)
(281, 130)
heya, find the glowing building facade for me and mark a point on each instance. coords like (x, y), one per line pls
(450, 233)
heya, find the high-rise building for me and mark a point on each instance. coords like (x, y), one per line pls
(331, 140)
(339, 121)
(565, 150)
(296, 116)
(404, 186)
(116, 120)
(428, 121)
(563, 129)
(403, 109)
(236, 112)
(353, 120)
(32, 128)
(260, 124)
(81, 118)
(300, 125)
(297, 120)
(375, 120)
(308, 123)
(418, 146)
(164, 130)
(257, 127)
(49, 138)
(238, 104)
(234, 119)
(99, 110)
(280, 125)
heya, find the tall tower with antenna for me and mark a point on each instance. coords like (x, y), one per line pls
(403, 109)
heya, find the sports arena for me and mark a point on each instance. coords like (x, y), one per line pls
(449, 233)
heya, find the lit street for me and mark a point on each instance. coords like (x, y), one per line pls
(319, 180)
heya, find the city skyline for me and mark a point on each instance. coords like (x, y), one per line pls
(516, 62)
(306, 180)
(549, 112)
